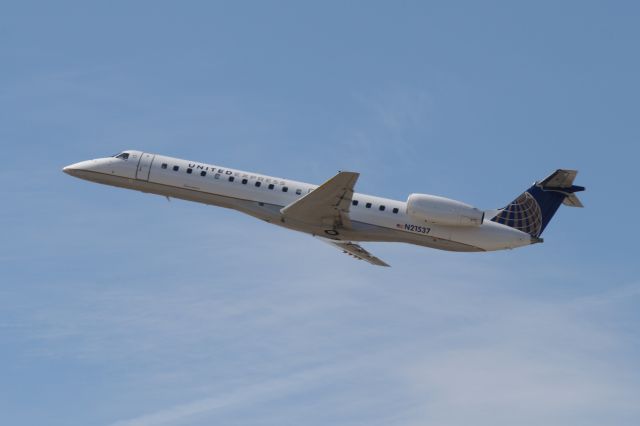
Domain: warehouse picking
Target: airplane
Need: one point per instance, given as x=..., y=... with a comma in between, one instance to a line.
x=334, y=212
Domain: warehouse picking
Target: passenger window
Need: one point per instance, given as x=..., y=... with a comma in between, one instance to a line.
x=176, y=168
x=189, y=171
x=285, y=189
x=258, y=183
x=354, y=202
x=203, y=173
x=298, y=191
x=231, y=178
x=164, y=165
x=381, y=208
x=368, y=205
x=395, y=210
x=271, y=186
x=244, y=181
x=216, y=176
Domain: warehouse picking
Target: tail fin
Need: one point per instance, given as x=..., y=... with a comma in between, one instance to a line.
x=534, y=208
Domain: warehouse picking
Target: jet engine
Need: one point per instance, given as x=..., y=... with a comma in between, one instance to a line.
x=443, y=211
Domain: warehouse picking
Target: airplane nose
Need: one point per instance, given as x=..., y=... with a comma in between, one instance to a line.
x=76, y=168
x=71, y=169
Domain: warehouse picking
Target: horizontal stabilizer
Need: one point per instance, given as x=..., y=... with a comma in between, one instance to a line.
x=572, y=200
x=559, y=179
x=562, y=181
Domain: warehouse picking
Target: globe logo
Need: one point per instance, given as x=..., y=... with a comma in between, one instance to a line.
x=522, y=214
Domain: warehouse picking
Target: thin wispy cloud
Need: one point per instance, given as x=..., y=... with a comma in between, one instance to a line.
x=274, y=388
x=443, y=350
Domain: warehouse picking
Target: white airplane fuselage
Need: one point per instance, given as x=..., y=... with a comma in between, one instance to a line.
x=371, y=218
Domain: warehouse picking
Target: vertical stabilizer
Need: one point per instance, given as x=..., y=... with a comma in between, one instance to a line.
x=532, y=211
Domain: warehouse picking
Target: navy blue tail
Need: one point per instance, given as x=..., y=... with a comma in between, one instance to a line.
x=532, y=211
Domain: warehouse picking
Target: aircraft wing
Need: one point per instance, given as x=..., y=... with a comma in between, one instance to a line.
x=354, y=250
x=327, y=205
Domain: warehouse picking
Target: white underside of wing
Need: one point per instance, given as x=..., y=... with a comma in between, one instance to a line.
x=355, y=250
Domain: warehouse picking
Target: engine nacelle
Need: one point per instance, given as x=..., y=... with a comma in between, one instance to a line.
x=443, y=211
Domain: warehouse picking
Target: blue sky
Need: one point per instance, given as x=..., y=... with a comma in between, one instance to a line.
x=118, y=308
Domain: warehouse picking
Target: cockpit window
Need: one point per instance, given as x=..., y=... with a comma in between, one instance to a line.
x=123, y=156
